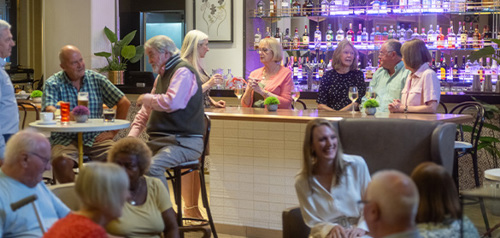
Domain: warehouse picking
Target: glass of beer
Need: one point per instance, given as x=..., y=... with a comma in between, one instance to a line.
x=83, y=99
x=109, y=115
x=65, y=109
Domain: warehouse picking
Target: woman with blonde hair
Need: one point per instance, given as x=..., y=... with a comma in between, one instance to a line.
x=193, y=50
x=272, y=80
x=333, y=93
x=422, y=89
x=330, y=183
x=102, y=189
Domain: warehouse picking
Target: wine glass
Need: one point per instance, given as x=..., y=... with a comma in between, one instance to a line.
x=295, y=94
x=238, y=91
x=353, y=95
x=370, y=94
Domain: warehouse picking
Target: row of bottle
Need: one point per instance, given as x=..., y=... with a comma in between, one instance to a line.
x=454, y=72
x=464, y=39
x=335, y=7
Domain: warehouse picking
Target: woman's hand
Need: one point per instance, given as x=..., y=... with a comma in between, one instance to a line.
x=355, y=232
x=337, y=232
x=215, y=79
x=396, y=106
x=220, y=104
x=253, y=83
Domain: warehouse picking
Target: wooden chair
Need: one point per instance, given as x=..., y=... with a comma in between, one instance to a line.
x=300, y=102
x=27, y=107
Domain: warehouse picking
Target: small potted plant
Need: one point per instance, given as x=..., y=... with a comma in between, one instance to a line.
x=272, y=103
x=36, y=96
x=371, y=106
x=81, y=114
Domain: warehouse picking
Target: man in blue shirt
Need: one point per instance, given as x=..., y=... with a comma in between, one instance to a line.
x=390, y=78
x=27, y=156
x=64, y=86
x=8, y=104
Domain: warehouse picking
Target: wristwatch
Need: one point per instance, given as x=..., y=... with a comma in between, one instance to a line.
x=406, y=109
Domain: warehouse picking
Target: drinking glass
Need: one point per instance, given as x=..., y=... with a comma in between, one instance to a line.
x=238, y=91
x=370, y=94
x=295, y=94
x=83, y=99
x=353, y=95
x=109, y=115
x=65, y=108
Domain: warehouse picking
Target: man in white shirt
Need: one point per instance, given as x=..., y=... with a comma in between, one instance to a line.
x=27, y=156
x=8, y=104
x=390, y=205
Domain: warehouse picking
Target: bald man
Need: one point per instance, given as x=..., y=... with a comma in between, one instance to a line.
x=64, y=86
x=27, y=156
x=390, y=205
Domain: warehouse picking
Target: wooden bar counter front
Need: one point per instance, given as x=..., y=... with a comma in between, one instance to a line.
x=254, y=157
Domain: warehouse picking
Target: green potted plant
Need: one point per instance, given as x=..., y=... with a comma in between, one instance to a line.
x=371, y=106
x=81, y=114
x=121, y=53
x=272, y=103
x=36, y=96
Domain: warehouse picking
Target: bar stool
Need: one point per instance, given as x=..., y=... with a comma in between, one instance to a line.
x=188, y=167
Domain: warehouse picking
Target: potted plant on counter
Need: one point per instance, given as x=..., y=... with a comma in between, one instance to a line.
x=371, y=106
x=81, y=114
x=272, y=103
x=121, y=53
x=36, y=96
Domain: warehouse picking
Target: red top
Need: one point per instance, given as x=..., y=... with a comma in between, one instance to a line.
x=75, y=226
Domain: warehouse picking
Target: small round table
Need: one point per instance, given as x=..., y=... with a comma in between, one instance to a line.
x=92, y=125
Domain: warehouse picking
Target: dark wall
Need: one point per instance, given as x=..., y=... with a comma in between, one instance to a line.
x=130, y=17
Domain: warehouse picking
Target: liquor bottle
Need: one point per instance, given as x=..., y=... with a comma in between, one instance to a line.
x=321, y=69
x=257, y=38
x=260, y=8
x=430, y=37
x=296, y=8
x=494, y=69
x=295, y=69
x=476, y=38
x=310, y=8
x=433, y=64
x=305, y=9
x=272, y=8
x=391, y=33
x=486, y=35
x=383, y=5
x=268, y=33
x=340, y=34
x=345, y=5
x=372, y=36
x=277, y=35
x=458, y=40
x=305, y=38
x=296, y=40
x=339, y=5
x=468, y=69
x=446, y=5
x=385, y=35
x=423, y=36
x=470, y=37
x=455, y=71
x=487, y=67
x=402, y=33
x=317, y=38
x=461, y=72
x=285, y=8
x=350, y=33
x=332, y=8
x=449, y=71
x=403, y=4
x=329, y=37
x=415, y=34
x=442, y=68
x=408, y=33
x=287, y=40
x=463, y=37
x=359, y=35
x=364, y=37
x=377, y=36
x=440, y=39
x=325, y=8
x=451, y=39
x=376, y=5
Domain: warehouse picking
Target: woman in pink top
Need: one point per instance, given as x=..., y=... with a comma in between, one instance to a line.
x=422, y=90
x=272, y=79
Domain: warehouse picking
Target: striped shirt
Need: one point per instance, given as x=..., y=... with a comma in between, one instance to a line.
x=101, y=91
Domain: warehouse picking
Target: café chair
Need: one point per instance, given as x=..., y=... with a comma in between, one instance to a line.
x=443, y=106
x=26, y=107
x=175, y=175
x=293, y=224
x=300, y=102
x=66, y=192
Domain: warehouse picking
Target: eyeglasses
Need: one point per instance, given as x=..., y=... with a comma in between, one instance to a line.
x=382, y=53
x=44, y=160
x=264, y=50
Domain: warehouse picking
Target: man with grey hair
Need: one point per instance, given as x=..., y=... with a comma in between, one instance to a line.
x=27, y=156
x=172, y=113
x=8, y=104
x=390, y=78
x=390, y=205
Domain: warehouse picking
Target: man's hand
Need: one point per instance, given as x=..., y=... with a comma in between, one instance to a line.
x=107, y=135
x=337, y=232
x=355, y=232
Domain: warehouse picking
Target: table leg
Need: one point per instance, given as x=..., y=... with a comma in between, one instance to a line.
x=80, y=150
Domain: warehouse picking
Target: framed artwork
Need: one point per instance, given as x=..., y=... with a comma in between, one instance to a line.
x=215, y=18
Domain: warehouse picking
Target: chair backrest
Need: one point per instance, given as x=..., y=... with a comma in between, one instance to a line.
x=477, y=111
x=206, y=137
x=293, y=224
x=443, y=106
x=66, y=192
x=399, y=144
x=27, y=107
x=300, y=102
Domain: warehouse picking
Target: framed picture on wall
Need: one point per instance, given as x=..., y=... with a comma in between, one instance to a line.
x=215, y=18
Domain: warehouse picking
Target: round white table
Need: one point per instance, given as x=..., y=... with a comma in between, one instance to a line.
x=92, y=125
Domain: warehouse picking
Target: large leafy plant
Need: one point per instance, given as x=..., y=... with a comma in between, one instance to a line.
x=487, y=51
x=121, y=52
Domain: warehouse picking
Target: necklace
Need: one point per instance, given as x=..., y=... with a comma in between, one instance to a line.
x=268, y=73
x=133, y=195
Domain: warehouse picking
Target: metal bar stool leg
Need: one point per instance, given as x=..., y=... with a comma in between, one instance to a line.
x=204, y=197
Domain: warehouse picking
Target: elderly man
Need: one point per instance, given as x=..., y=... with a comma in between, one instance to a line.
x=8, y=105
x=64, y=86
x=174, y=109
x=390, y=205
x=390, y=78
x=27, y=156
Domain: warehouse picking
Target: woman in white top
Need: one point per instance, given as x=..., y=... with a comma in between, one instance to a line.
x=330, y=184
x=422, y=90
